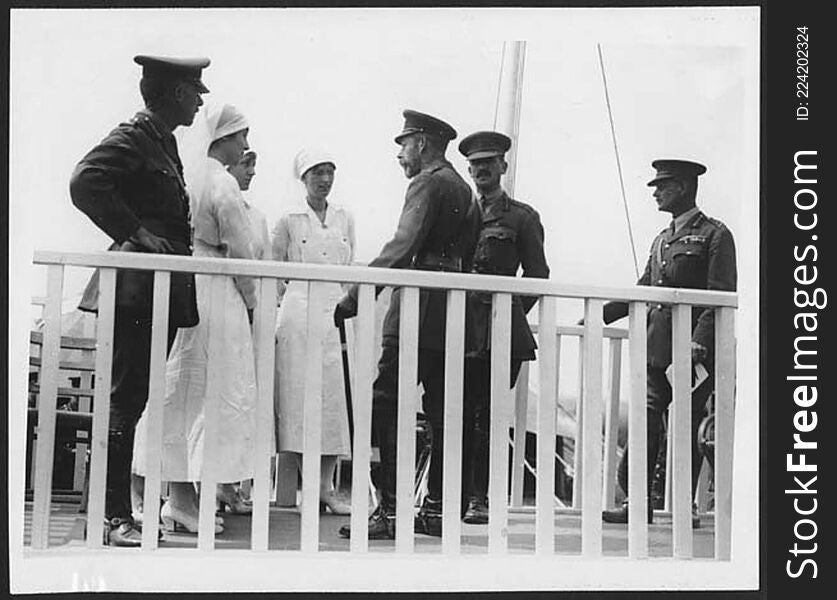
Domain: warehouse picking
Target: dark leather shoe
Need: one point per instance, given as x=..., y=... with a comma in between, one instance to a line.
x=381, y=526
x=620, y=515
x=477, y=512
x=695, y=518
x=429, y=518
x=122, y=533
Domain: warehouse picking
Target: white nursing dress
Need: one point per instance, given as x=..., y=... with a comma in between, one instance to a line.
x=223, y=379
x=299, y=236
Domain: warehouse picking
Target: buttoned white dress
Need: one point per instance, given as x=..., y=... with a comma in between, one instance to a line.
x=211, y=367
x=299, y=236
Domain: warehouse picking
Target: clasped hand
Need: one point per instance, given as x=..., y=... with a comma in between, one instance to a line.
x=342, y=312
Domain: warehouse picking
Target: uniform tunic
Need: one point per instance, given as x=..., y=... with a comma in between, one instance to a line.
x=511, y=238
x=299, y=236
x=435, y=232
x=134, y=178
x=699, y=255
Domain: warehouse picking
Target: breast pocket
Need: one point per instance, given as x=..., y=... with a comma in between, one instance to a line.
x=689, y=262
x=164, y=191
x=497, y=249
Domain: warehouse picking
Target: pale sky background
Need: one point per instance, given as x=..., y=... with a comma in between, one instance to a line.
x=340, y=79
x=683, y=83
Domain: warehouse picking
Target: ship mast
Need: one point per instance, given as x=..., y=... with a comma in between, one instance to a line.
x=507, y=109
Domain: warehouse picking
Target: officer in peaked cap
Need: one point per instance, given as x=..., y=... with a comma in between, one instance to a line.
x=675, y=169
x=183, y=69
x=511, y=237
x=693, y=251
x=417, y=122
x=131, y=187
x=436, y=233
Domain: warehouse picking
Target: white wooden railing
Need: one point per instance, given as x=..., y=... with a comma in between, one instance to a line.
x=593, y=483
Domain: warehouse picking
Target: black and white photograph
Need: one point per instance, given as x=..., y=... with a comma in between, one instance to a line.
x=389, y=299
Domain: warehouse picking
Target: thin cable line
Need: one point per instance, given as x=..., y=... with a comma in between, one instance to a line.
x=618, y=162
x=499, y=85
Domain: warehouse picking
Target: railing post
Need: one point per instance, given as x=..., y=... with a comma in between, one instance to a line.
x=101, y=408
x=407, y=393
x=84, y=406
x=724, y=428
x=498, y=491
x=638, y=433
x=521, y=402
x=547, y=401
x=264, y=327
x=578, y=455
x=154, y=408
x=591, y=493
x=681, y=431
x=46, y=408
x=312, y=422
x=612, y=424
x=452, y=468
x=362, y=407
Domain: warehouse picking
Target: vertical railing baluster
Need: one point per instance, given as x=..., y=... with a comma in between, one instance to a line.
x=154, y=407
x=680, y=419
x=264, y=326
x=498, y=492
x=84, y=406
x=612, y=423
x=50, y=355
x=637, y=433
x=101, y=408
x=725, y=369
x=362, y=408
x=578, y=455
x=521, y=401
x=407, y=405
x=312, y=422
x=591, y=493
x=452, y=468
x=558, y=342
x=547, y=403
x=217, y=320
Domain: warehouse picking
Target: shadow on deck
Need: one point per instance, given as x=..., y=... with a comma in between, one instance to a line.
x=67, y=529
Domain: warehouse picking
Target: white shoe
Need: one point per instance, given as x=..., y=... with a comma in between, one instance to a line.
x=177, y=520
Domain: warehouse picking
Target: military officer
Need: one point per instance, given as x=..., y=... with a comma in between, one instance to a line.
x=435, y=232
x=511, y=238
x=131, y=186
x=694, y=251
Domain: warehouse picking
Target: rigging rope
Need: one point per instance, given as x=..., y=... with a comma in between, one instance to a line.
x=618, y=162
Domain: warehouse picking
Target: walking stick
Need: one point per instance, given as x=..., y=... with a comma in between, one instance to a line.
x=347, y=385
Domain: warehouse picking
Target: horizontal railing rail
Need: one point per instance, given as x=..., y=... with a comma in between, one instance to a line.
x=385, y=277
x=591, y=493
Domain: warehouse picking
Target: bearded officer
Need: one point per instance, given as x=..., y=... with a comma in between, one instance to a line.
x=511, y=239
x=131, y=186
x=694, y=251
x=435, y=232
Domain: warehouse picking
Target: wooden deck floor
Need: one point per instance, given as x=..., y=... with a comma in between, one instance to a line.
x=67, y=530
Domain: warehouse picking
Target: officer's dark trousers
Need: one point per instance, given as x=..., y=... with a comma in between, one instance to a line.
x=659, y=398
x=431, y=365
x=128, y=396
x=476, y=425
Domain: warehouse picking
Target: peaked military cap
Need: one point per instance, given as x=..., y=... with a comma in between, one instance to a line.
x=484, y=144
x=417, y=122
x=675, y=168
x=186, y=69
